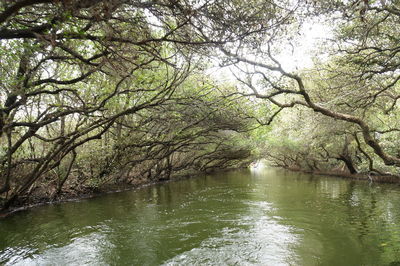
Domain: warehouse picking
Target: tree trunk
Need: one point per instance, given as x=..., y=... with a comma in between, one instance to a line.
x=349, y=163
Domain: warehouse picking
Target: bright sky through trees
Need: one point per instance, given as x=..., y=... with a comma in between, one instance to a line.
x=296, y=55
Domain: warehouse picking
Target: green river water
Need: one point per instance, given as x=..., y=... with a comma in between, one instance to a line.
x=249, y=217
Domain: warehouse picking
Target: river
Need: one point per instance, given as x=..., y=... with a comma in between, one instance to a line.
x=248, y=217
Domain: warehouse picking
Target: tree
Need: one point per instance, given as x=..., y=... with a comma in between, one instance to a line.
x=73, y=70
x=358, y=85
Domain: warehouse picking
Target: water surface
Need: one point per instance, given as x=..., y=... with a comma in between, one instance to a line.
x=258, y=217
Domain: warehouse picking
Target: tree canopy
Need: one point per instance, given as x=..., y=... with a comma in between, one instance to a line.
x=104, y=92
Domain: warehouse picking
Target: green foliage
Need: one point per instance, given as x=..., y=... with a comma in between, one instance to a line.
x=100, y=92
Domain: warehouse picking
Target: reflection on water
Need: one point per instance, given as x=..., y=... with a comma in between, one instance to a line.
x=256, y=237
x=256, y=217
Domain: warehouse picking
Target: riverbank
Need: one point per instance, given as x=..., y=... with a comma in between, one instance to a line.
x=88, y=192
x=392, y=179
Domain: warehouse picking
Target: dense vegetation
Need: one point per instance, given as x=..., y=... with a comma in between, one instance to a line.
x=346, y=107
x=97, y=93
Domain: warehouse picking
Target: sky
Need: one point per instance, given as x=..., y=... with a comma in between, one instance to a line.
x=293, y=58
x=312, y=34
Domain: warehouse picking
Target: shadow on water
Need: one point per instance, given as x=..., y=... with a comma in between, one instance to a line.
x=263, y=216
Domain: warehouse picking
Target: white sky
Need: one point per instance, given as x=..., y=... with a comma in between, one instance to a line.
x=294, y=57
x=312, y=34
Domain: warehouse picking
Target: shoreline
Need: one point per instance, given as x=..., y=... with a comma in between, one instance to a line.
x=83, y=195
x=117, y=188
x=107, y=189
x=388, y=179
x=69, y=197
